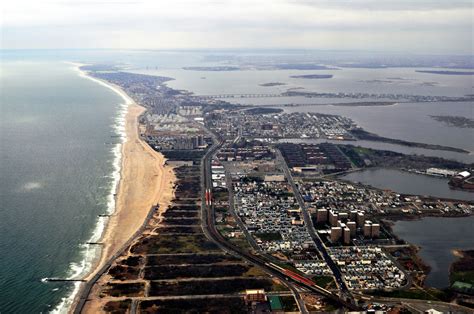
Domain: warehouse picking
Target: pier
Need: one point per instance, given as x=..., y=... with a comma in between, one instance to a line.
x=54, y=279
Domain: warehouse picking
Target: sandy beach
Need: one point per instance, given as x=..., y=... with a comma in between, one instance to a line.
x=145, y=181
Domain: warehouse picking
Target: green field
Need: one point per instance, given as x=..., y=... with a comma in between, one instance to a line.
x=463, y=276
x=430, y=294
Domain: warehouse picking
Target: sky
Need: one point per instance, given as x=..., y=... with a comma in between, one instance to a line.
x=419, y=26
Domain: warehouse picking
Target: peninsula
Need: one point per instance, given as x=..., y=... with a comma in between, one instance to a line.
x=313, y=76
x=444, y=72
x=317, y=242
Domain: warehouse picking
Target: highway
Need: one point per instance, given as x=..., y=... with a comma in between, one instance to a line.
x=312, y=231
x=209, y=229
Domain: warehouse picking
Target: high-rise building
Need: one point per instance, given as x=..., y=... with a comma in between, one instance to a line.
x=194, y=140
x=368, y=229
x=343, y=216
x=336, y=233
x=375, y=232
x=333, y=218
x=353, y=215
x=347, y=235
x=352, y=227
x=322, y=215
x=200, y=140
x=360, y=219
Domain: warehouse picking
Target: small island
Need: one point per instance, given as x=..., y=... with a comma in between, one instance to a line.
x=313, y=76
x=446, y=72
x=455, y=121
x=271, y=84
x=304, y=66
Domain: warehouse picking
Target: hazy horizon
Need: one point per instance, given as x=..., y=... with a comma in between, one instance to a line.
x=249, y=49
x=422, y=27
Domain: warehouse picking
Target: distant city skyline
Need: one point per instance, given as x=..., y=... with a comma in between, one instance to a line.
x=438, y=27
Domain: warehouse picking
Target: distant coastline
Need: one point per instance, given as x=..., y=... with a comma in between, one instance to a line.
x=454, y=121
x=212, y=68
x=366, y=104
x=446, y=72
x=364, y=135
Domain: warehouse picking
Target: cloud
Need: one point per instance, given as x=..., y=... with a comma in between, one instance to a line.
x=330, y=24
x=388, y=5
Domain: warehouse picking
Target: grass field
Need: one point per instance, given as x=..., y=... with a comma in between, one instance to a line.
x=463, y=276
x=430, y=294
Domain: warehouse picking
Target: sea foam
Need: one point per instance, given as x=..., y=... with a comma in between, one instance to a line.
x=91, y=253
x=31, y=186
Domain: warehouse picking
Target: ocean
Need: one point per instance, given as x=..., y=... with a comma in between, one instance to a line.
x=60, y=138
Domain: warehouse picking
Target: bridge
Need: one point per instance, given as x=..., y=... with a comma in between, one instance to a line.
x=219, y=96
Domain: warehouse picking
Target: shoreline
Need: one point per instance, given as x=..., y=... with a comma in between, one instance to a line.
x=455, y=250
x=459, y=253
x=141, y=180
